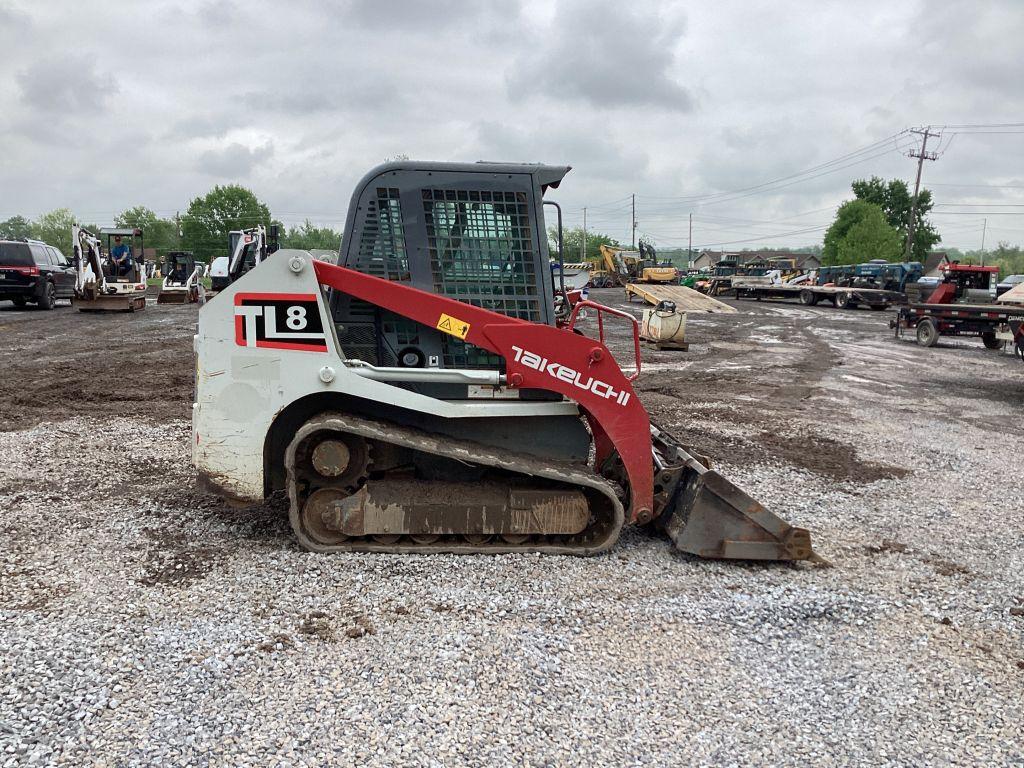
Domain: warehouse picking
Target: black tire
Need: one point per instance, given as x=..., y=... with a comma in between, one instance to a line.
x=807, y=297
x=990, y=341
x=20, y=301
x=49, y=297
x=927, y=333
x=842, y=300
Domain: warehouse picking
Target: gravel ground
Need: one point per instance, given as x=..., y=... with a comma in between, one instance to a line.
x=143, y=624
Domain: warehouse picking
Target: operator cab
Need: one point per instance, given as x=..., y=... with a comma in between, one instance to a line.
x=470, y=231
x=250, y=254
x=128, y=241
x=178, y=266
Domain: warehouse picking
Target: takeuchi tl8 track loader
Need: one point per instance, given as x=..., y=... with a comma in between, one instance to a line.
x=421, y=396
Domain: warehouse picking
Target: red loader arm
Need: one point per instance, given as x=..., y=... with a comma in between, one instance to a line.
x=536, y=356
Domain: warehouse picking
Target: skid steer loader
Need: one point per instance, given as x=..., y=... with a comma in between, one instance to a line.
x=421, y=396
x=182, y=283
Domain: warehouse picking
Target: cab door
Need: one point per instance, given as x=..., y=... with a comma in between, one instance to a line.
x=47, y=269
x=64, y=276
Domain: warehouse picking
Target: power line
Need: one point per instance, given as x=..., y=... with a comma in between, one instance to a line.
x=869, y=148
x=755, y=239
x=984, y=125
x=778, y=187
x=979, y=186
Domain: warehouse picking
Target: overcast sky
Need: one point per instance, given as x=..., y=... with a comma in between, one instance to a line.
x=108, y=105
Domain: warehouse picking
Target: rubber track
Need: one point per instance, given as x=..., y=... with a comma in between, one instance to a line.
x=594, y=540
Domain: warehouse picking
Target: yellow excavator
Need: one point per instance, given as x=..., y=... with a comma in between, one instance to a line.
x=622, y=266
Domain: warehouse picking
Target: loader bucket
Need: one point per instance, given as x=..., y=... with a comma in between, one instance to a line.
x=173, y=297
x=710, y=517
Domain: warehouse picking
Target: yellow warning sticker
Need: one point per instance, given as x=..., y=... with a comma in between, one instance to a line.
x=453, y=326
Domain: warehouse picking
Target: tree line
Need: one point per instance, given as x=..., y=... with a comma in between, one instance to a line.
x=873, y=225
x=203, y=228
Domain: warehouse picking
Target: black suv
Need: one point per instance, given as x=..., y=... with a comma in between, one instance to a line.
x=31, y=270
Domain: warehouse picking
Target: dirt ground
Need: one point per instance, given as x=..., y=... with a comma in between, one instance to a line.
x=63, y=363
x=903, y=462
x=775, y=383
x=756, y=372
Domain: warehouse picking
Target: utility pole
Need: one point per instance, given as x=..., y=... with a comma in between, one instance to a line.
x=984, y=226
x=583, y=248
x=634, y=222
x=689, y=245
x=921, y=157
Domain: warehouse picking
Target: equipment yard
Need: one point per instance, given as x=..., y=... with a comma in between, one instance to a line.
x=146, y=623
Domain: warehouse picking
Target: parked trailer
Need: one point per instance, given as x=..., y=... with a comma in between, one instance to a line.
x=844, y=298
x=930, y=321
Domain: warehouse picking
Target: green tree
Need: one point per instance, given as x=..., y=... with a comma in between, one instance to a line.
x=54, y=228
x=870, y=238
x=308, y=237
x=1009, y=258
x=573, y=244
x=15, y=228
x=161, y=234
x=895, y=200
x=860, y=232
x=210, y=218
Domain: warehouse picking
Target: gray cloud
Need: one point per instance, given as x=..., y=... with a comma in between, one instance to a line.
x=610, y=54
x=298, y=100
x=429, y=16
x=316, y=97
x=201, y=127
x=70, y=83
x=235, y=161
x=13, y=21
x=219, y=13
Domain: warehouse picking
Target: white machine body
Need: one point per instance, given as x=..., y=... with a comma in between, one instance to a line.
x=268, y=341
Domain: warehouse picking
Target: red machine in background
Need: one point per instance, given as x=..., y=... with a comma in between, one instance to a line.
x=965, y=283
x=963, y=304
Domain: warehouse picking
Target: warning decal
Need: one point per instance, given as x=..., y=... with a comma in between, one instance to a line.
x=453, y=326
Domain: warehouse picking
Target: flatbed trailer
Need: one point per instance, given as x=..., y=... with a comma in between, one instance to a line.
x=990, y=322
x=842, y=297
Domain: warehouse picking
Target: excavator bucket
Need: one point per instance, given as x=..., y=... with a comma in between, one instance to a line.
x=708, y=516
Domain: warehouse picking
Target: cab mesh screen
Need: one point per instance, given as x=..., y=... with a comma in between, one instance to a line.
x=481, y=252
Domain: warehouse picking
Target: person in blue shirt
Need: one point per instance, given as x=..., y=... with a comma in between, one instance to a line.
x=120, y=258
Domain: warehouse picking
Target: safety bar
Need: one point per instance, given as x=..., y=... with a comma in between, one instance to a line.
x=601, y=308
x=430, y=375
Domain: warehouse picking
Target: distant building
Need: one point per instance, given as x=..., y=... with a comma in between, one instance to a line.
x=804, y=261
x=708, y=259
